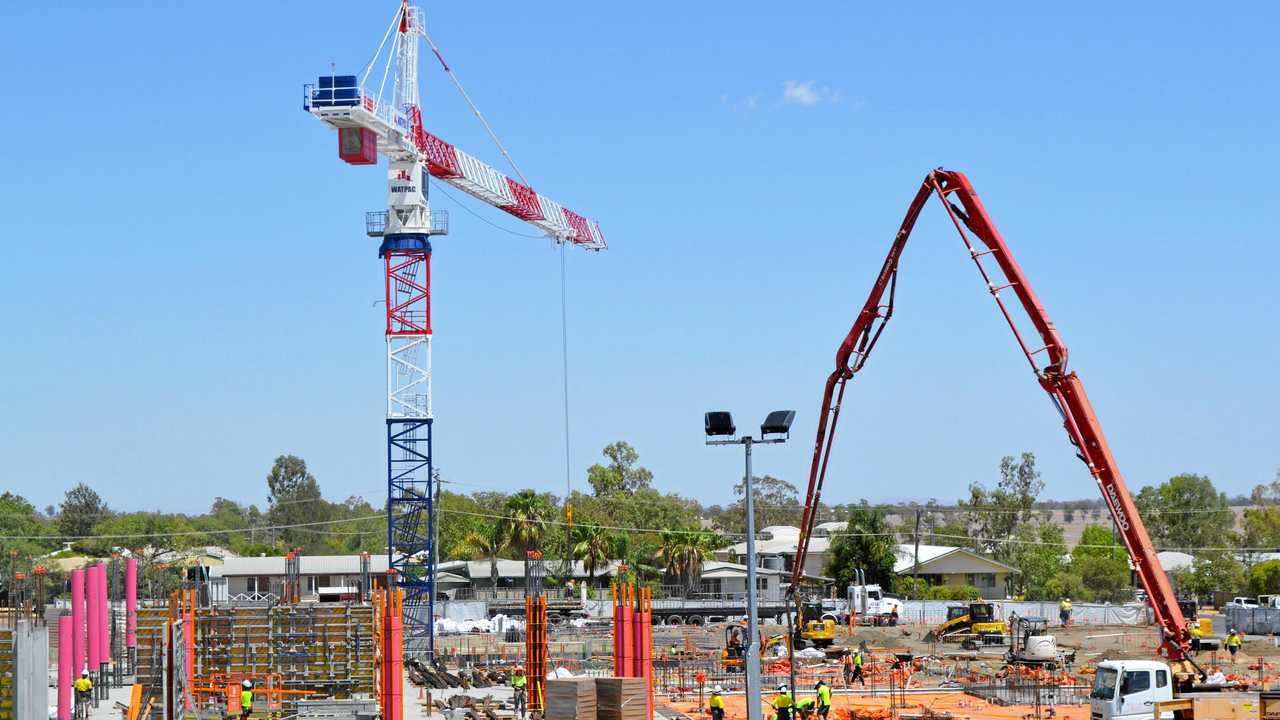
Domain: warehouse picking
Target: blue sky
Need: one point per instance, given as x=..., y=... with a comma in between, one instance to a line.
x=186, y=290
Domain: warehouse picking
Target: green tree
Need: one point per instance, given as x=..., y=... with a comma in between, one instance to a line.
x=295, y=499
x=81, y=509
x=25, y=530
x=591, y=546
x=1211, y=570
x=952, y=592
x=1102, y=564
x=1260, y=526
x=1264, y=578
x=1039, y=555
x=154, y=536
x=683, y=554
x=527, y=514
x=622, y=475
x=777, y=502
x=994, y=515
x=1187, y=513
x=866, y=543
x=1066, y=584
x=486, y=541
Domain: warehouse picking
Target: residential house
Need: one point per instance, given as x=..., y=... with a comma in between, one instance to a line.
x=953, y=566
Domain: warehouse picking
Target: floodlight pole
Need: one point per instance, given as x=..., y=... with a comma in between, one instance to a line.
x=754, y=692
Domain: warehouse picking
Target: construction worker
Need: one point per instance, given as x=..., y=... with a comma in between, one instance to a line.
x=1064, y=611
x=1194, y=628
x=519, y=685
x=1233, y=644
x=246, y=699
x=84, y=694
x=857, y=669
x=782, y=704
x=893, y=616
x=824, y=698
x=716, y=703
x=804, y=708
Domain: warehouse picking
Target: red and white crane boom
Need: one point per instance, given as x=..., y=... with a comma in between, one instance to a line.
x=1048, y=362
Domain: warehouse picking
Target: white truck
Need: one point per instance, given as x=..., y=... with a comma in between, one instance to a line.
x=871, y=605
x=1130, y=689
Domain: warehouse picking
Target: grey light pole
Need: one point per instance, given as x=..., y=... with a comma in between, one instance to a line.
x=720, y=424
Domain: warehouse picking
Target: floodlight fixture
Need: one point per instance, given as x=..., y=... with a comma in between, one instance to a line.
x=778, y=422
x=719, y=423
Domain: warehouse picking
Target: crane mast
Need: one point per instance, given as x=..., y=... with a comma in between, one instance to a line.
x=1048, y=361
x=368, y=127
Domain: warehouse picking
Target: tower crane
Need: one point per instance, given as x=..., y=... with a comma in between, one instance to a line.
x=1049, y=364
x=372, y=120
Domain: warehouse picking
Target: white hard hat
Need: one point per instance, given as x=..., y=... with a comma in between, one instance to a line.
x=782, y=688
x=247, y=683
x=717, y=689
x=84, y=673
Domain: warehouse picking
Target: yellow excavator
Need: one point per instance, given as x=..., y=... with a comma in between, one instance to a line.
x=734, y=654
x=965, y=622
x=814, y=629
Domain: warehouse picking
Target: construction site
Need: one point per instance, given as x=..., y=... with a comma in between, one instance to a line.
x=720, y=618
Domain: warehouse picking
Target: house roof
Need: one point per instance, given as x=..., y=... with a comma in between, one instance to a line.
x=712, y=569
x=783, y=540
x=933, y=553
x=308, y=565
x=1172, y=560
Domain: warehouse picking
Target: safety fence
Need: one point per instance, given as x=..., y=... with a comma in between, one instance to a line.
x=933, y=612
x=1254, y=621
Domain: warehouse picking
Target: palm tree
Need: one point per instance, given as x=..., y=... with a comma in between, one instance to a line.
x=697, y=548
x=671, y=553
x=683, y=554
x=488, y=540
x=526, y=521
x=592, y=548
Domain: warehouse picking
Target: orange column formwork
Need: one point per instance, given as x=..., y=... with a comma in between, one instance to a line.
x=535, y=615
x=391, y=646
x=633, y=636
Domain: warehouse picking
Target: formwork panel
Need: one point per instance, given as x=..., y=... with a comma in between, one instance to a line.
x=327, y=648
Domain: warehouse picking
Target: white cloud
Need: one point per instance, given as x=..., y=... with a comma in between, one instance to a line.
x=807, y=93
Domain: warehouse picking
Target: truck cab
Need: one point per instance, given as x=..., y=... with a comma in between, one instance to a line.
x=1129, y=690
x=872, y=601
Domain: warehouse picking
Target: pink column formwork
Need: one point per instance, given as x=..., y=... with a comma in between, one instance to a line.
x=104, y=608
x=66, y=666
x=77, y=634
x=397, y=668
x=93, y=617
x=131, y=602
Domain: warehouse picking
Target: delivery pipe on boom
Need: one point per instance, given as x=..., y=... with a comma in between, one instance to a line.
x=1048, y=362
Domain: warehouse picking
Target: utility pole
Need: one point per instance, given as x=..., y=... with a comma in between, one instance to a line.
x=915, y=569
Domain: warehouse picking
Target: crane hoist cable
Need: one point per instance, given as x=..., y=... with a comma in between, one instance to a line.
x=564, y=312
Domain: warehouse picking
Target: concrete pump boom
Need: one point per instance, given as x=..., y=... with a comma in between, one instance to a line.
x=1048, y=362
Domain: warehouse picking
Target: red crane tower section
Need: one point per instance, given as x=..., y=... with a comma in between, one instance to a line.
x=1048, y=361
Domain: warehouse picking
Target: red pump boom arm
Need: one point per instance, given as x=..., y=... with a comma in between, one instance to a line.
x=1048, y=362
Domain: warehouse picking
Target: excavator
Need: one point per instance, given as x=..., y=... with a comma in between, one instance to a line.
x=1047, y=356
x=733, y=655
x=813, y=629
x=976, y=621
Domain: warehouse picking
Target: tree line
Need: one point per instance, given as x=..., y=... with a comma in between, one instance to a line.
x=665, y=539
